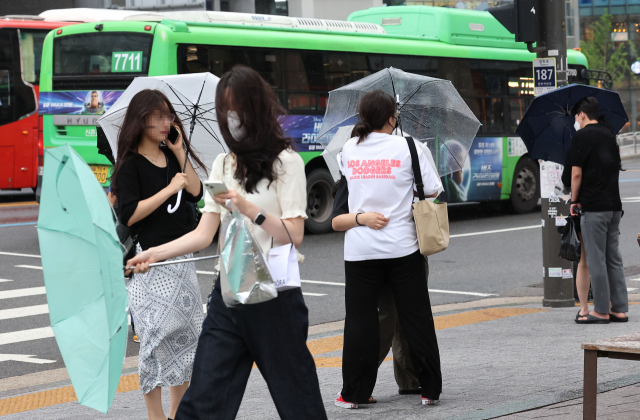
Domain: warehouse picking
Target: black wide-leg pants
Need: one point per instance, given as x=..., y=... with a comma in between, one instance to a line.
x=364, y=279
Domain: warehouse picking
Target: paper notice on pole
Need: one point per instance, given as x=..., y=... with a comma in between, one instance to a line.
x=561, y=220
x=543, y=222
x=567, y=273
x=555, y=271
x=550, y=177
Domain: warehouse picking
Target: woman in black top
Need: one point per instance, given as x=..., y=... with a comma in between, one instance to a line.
x=165, y=302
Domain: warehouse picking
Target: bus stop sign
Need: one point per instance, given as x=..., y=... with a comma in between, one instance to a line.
x=544, y=75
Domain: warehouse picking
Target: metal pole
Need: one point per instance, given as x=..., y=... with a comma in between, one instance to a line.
x=635, y=148
x=558, y=272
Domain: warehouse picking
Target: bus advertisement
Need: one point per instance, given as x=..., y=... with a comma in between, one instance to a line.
x=21, y=144
x=304, y=59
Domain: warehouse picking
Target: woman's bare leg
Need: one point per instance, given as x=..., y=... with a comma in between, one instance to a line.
x=583, y=281
x=176, y=396
x=154, y=404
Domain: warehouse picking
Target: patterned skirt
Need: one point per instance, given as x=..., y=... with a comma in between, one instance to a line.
x=166, y=306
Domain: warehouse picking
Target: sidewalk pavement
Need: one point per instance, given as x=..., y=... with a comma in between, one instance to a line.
x=499, y=357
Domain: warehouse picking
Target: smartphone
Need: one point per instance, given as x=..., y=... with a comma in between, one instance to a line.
x=173, y=134
x=215, y=187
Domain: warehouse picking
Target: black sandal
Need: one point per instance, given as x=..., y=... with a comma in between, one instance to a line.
x=591, y=319
x=370, y=401
x=614, y=318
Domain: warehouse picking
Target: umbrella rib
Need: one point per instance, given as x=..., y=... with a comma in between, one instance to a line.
x=437, y=137
x=414, y=92
x=448, y=109
x=337, y=124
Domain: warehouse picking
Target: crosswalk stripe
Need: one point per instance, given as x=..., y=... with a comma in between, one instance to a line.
x=31, y=291
x=322, y=282
x=25, y=335
x=4, y=280
x=24, y=311
x=34, y=267
x=13, y=254
x=453, y=292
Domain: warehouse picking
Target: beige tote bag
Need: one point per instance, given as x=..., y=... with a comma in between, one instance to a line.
x=432, y=220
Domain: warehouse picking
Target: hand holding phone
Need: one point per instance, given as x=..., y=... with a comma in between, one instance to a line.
x=216, y=187
x=173, y=134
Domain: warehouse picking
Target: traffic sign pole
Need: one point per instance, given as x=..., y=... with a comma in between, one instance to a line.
x=558, y=276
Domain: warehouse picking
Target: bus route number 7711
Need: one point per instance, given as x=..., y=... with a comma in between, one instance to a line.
x=126, y=61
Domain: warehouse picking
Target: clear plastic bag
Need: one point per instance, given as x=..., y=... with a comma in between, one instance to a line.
x=244, y=274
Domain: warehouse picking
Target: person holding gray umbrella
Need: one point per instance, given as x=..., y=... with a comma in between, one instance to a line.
x=381, y=246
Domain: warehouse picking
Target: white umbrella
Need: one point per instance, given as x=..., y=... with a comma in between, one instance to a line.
x=192, y=96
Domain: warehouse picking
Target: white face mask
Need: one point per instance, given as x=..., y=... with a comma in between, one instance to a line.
x=576, y=125
x=233, y=121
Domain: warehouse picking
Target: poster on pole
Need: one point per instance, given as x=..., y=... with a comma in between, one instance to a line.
x=544, y=75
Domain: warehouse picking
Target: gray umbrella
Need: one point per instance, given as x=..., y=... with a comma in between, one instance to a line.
x=430, y=109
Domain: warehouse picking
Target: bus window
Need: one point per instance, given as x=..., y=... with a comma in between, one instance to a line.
x=517, y=108
x=113, y=59
x=18, y=99
x=490, y=112
x=31, y=53
x=219, y=60
x=320, y=71
x=425, y=66
x=6, y=65
x=358, y=66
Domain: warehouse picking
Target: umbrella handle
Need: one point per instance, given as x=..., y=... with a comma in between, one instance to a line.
x=173, y=209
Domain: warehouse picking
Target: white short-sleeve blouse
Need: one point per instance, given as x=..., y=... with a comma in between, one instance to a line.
x=285, y=198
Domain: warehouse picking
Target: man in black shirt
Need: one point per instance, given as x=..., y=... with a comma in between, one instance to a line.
x=595, y=158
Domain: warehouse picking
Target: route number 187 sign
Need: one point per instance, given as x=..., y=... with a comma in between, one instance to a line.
x=544, y=75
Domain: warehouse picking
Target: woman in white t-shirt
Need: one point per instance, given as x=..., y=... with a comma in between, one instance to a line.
x=381, y=246
x=266, y=181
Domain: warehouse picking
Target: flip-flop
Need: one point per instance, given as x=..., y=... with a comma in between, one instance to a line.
x=578, y=315
x=614, y=318
x=592, y=320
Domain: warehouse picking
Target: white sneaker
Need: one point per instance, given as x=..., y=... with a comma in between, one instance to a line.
x=427, y=401
x=344, y=404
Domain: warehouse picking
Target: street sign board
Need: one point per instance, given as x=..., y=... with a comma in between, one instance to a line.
x=544, y=75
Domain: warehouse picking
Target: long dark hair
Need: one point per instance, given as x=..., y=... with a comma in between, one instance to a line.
x=258, y=108
x=141, y=106
x=375, y=109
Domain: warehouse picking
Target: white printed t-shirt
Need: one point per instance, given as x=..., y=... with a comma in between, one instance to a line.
x=380, y=179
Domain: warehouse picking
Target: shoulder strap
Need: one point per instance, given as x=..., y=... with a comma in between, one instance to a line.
x=415, y=166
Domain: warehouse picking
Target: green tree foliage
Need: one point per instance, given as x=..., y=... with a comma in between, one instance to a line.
x=605, y=54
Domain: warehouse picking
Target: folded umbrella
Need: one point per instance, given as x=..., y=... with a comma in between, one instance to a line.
x=547, y=125
x=82, y=266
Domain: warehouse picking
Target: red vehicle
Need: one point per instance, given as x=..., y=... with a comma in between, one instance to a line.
x=21, y=148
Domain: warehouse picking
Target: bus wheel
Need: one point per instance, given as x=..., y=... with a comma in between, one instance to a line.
x=319, y=201
x=525, y=189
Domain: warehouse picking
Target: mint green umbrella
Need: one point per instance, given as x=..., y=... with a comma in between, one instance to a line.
x=82, y=263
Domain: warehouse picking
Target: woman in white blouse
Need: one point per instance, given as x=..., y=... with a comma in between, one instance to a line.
x=381, y=247
x=267, y=183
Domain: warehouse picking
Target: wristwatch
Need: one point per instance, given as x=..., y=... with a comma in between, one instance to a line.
x=260, y=218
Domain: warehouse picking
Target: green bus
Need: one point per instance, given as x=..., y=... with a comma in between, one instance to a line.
x=303, y=59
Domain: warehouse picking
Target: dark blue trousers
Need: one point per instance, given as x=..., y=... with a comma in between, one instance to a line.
x=272, y=334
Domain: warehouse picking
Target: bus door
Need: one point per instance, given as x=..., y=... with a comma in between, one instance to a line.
x=18, y=120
